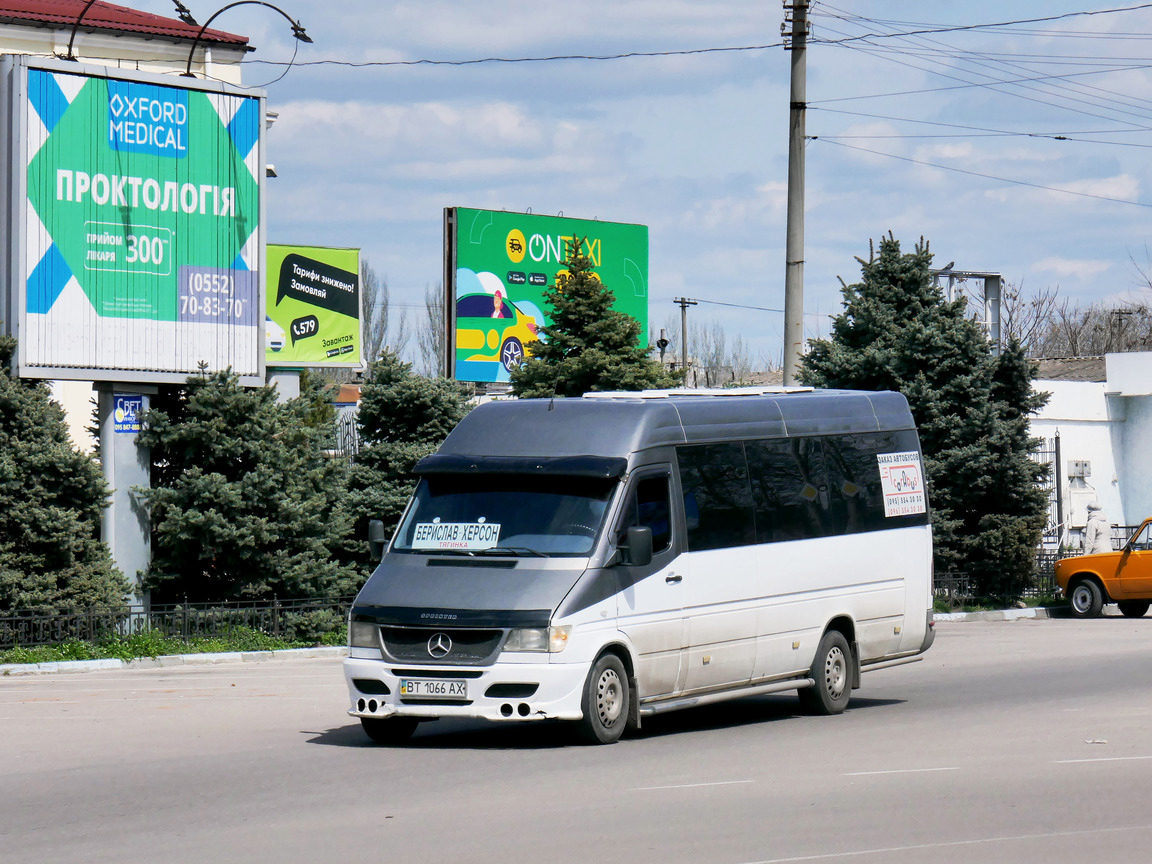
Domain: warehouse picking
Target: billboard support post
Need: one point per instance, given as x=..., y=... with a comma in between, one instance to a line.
x=126, y=526
x=286, y=382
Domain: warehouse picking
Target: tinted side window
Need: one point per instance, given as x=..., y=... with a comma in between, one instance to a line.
x=856, y=499
x=823, y=486
x=649, y=505
x=856, y=495
x=717, y=497
x=789, y=489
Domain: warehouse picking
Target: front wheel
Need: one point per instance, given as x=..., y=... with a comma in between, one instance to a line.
x=832, y=672
x=605, y=702
x=389, y=730
x=1085, y=599
x=1133, y=608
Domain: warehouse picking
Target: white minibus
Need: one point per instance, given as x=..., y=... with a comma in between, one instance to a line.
x=606, y=558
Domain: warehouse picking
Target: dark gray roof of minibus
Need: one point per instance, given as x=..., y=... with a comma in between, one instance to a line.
x=621, y=426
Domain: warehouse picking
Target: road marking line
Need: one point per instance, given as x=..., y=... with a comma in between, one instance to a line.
x=1100, y=759
x=946, y=845
x=691, y=785
x=899, y=771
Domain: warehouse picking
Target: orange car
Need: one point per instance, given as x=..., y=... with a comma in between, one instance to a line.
x=1123, y=578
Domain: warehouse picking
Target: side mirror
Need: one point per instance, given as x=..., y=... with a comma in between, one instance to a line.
x=638, y=551
x=377, y=539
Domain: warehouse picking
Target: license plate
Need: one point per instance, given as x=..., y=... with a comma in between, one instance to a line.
x=424, y=688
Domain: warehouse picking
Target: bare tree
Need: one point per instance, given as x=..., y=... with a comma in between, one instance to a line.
x=1023, y=316
x=432, y=337
x=1091, y=331
x=373, y=310
x=710, y=352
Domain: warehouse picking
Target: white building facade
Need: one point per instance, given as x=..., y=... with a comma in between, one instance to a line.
x=1100, y=410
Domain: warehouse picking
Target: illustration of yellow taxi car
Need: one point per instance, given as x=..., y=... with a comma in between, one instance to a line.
x=490, y=328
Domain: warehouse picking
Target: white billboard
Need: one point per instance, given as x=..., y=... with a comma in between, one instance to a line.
x=133, y=227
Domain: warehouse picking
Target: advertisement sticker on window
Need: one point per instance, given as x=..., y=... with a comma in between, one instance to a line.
x=902, y=479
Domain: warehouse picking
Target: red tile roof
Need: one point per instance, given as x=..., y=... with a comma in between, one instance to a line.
x=108, y=17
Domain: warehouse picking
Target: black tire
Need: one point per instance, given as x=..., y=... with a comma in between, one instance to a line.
x=1085, y=599
x=605, y=702
x=832, y=672
x=511, y=353
x=389, y=730
x=1133, y=608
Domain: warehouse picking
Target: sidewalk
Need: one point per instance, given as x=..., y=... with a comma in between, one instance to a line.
x=9, y=669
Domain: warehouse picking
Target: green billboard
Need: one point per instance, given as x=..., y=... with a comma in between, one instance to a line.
x=312, y=306
x=498, y=266
x=141, y=236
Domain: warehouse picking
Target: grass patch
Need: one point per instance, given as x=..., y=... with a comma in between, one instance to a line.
x=152, y=643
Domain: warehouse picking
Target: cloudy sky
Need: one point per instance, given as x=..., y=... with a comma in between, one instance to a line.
x=1018, y=148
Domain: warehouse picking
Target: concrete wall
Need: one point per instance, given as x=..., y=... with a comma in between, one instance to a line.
x=1080, y=412
x=1109, y=424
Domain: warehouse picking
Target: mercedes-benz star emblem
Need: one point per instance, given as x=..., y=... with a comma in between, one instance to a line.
x=440, y=645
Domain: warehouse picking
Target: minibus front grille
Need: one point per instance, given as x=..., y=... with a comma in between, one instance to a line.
x=446, y=646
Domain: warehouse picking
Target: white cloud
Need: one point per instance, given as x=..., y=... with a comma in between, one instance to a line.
x=1065, y=267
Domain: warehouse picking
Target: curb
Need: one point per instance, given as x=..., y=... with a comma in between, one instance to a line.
x=1001, y=614
x=67, y=666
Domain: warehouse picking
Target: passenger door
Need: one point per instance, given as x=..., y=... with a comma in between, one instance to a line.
x=1135, y=570
x=724, y=593
x=650, y=610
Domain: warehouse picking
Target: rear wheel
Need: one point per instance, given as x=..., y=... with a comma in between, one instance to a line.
x=605, y=702
x=832, y=672
x=1085, y=599
x=1133, y=608
x=389, y=730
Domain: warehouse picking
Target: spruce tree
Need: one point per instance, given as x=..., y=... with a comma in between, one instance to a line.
x=51, y=501
x=402, y=417
x=589, y=345
x=897, y=332
x=245, y=503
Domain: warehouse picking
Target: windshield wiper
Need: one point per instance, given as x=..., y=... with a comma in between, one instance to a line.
x=508, y=550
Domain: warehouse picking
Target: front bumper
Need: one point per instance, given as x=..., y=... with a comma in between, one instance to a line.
x=502, y=692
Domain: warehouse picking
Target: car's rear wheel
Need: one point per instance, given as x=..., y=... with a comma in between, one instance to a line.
x=512, y=353
x=832, y=672
x=1085, y=599
x=1133, y=608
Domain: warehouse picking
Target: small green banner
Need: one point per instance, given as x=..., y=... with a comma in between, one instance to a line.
x=313, y=306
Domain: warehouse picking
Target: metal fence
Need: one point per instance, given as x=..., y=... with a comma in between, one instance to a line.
x=304, y=620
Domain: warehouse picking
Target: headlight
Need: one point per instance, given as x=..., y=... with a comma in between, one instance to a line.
x=363, y=634
x=552, y=640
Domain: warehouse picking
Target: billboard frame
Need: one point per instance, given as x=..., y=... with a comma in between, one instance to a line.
x=14, y=227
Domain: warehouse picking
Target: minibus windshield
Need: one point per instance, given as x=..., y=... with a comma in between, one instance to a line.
x=512, y=514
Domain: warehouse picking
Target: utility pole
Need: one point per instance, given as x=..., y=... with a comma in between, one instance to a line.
x=684, y=303
x=796, y=41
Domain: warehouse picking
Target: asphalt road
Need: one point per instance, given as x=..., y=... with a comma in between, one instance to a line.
x=1011, y=742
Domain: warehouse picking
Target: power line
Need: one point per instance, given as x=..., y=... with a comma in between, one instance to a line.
x=990, y=176
x=963, y=27
x=551, y=58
